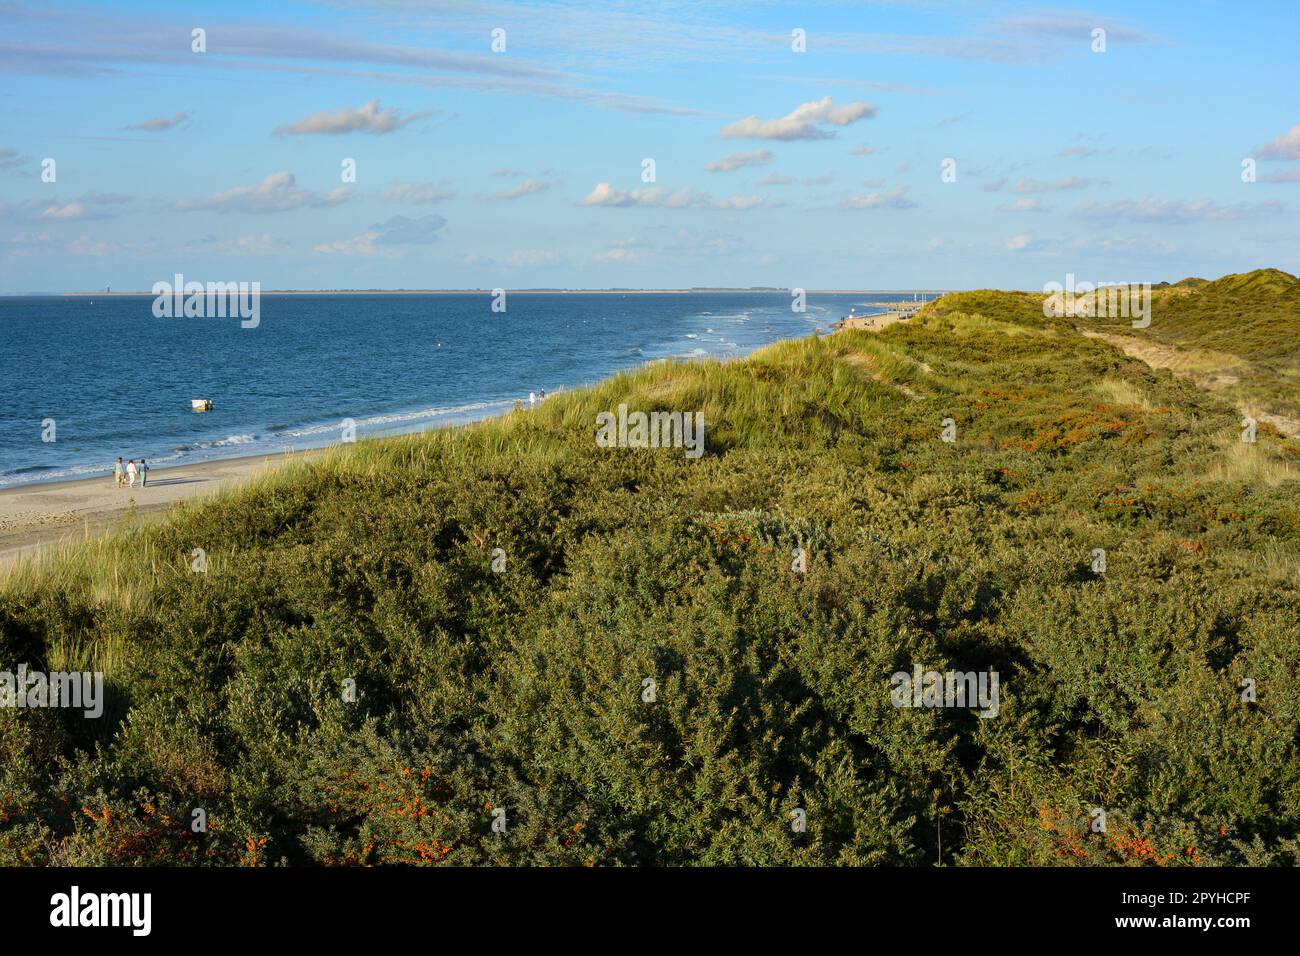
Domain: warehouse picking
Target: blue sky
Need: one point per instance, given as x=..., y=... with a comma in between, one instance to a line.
x=522, y=168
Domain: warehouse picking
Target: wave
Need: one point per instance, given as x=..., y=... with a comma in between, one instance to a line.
x=220, y=443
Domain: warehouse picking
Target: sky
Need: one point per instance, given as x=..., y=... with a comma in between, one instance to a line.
x=440, y=144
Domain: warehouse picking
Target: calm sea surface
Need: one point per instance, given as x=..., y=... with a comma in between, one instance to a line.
x=118, y=381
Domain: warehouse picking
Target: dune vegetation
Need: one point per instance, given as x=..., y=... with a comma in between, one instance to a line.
x=1236, y=335
x=564, y=654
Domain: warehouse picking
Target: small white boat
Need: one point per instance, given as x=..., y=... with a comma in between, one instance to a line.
x=201, y=404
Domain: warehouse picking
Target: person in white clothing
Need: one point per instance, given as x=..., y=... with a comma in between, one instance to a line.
x=131, y=472
x=532, y=399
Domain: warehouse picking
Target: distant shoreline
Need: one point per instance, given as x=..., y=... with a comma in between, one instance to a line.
x=107, y=295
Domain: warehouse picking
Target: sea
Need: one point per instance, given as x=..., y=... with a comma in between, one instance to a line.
x=86, y=379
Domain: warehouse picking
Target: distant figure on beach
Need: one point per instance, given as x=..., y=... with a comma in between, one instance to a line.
x=118, y=474
x=144, y=473
x=532, y=399
x=543, y=395
x=131, y=472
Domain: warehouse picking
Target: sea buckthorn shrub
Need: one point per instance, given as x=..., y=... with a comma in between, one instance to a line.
x=652, y=678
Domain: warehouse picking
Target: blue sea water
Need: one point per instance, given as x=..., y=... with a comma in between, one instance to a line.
x=116, y=380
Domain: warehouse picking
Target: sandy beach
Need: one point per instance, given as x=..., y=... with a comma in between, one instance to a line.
x=35, y=516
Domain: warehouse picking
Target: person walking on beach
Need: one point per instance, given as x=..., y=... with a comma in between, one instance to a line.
x=118, y=473
x=144, y=473
x=532, y=399
x=131, y=472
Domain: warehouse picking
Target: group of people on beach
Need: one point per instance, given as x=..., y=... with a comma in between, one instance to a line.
x=125, y=475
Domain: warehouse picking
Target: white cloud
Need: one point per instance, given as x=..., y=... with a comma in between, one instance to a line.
x=278, y=192
x=368, y=118
x=1024, y=185
x=527, y=187
x=1150, y=209
x=85, y=246
x=1020, y=243
x=159, y=124
x=241, y=245
x=396, y=231
x=803, y=122
x=1286, y=146
x=86, y=206
x=657, y=197
x=617, y=254
x=893, y=198
x=417, y=193
x=1070, y=25
x=861, y=150
x=1022, y=205
x=533, y=257
x=757, y=157
x=67, y=213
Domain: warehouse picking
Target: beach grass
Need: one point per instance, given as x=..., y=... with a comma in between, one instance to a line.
x=393, y=639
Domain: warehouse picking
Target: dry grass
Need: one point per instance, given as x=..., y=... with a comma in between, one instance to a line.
x=1115, y=391
x=1251, y=464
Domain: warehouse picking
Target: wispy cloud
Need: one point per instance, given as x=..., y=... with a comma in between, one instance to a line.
x=160, y=124
x=526, y=188
x=734, y=161
x=1022, y=205
x=803, y=122
x=1023, y=242
x=1150, y=209
x=533, y=257
x=1286, y=146
x=256, y=244
x=1023, y=185
x=1071, y=152
x=417, y=193
x=119, y=44
x=367, y=118
x=661, y=198
x=278, y=192
x=1074, y=25
x=893, y=198
x=86, y=206
x=397, y=231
